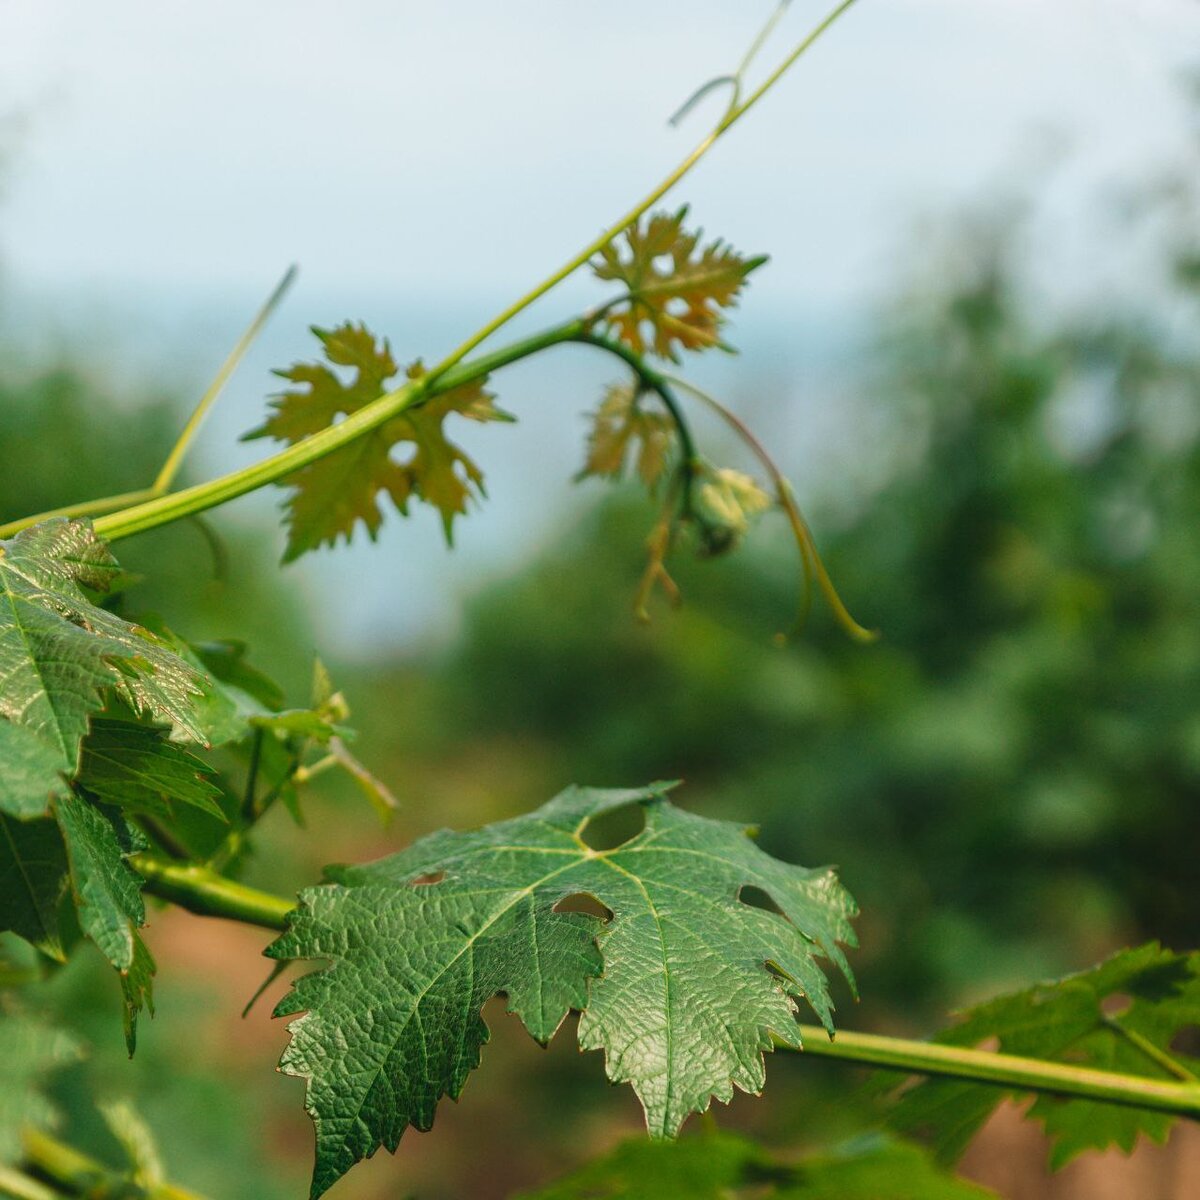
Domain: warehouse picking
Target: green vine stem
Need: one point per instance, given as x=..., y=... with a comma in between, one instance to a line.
x=18, y=1186
x=203, y=496
x=451, y=371
x=1005, y=1070
x=736, y=110
x=201, y=890
x=174, y=460
x=76, y=1174
x=163, y=510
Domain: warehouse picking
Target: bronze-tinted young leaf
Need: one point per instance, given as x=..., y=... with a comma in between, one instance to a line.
x=627, y=427
x=409, y=456
x=58, y=654
x=676, y=288
x=682, y=989
x=1072, y=1021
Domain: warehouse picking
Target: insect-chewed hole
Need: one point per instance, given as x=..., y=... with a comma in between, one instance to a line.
x=581, y=902
x=1186, y=1041
x=427, y=879
x=1116, y=1004
x=614, y=828
x=755, y=897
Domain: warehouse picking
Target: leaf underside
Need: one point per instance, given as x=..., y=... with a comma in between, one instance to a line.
x=683, y=988
x=627, y=428
x=1097, y=1018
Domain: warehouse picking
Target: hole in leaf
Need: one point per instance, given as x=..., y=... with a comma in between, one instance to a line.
x=581, y=902
x=614, y=828
x=1116, y=1004
x=664, y=264
x=755, y=897
x=1186, y=1041
x=426, y=880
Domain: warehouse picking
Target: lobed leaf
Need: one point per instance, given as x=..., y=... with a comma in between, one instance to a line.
x=59, y=652
x=135, y=768
x=676, y=289
x=683, y=988
x=624, y=429
x=332, y=495
x=1120, y=1016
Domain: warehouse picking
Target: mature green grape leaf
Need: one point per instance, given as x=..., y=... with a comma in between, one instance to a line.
x=676, y=288
x=59, y=652
x=1120, y=1016
x=108, y=894
x=878, y=1170
x=33, y=867
x=723, y=1166
x=29, y=1052
x=32, y=771
x=683, y=988
x=136, y=768
x=332, y=495
x=627, y=427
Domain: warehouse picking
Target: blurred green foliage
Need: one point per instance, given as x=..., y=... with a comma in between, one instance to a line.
x=1007, y=780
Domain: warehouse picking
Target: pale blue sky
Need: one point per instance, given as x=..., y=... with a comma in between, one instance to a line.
x=441, y=147
x=425, y=162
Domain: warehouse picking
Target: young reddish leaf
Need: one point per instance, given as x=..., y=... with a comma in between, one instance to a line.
x=624, y=429
x=676, y=287
x=332, y=495
x=59, y=653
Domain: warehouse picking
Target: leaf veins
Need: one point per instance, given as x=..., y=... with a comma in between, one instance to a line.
x=676, y=288
x=682, y=988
